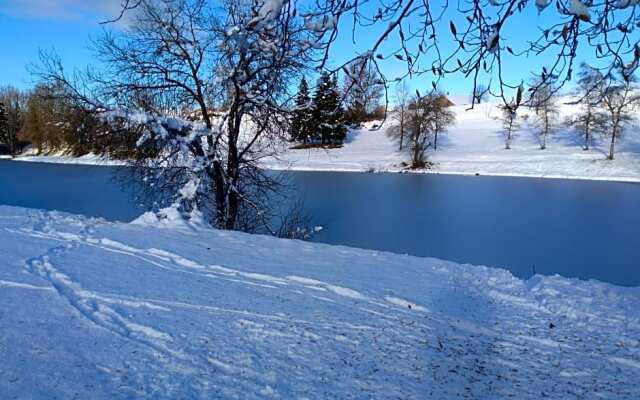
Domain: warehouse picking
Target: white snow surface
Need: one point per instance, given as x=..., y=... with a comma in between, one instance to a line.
x=100, y=310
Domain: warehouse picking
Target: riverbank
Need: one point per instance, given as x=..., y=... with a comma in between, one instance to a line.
x=166, y=310
x=474, y=146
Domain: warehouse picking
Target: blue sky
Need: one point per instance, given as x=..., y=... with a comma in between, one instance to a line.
x=66, y=26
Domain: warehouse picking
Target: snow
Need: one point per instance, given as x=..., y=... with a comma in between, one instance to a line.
x=578, y=8
x=475, y=146
x=61, y=157
x=100, y=310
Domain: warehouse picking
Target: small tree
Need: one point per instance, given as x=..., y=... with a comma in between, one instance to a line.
x=302, y=126
x=328, y=112
x=543, y=101
x=479, y=94
x=510, y=123
x=400, y=112
x=419, y=125
x=618, y=100
x=591, y=118
x=440, y=115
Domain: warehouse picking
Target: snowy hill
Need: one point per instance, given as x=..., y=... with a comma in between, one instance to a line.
x=475, y=145
x=91, y=309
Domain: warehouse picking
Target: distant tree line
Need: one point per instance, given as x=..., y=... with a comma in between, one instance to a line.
x=49, y=121
x=605, y=107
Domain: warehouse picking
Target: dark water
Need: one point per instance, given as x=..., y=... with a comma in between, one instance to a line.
x=584, y=229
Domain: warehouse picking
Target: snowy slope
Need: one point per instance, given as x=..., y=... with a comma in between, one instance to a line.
x=91, y=309
x=475, y=145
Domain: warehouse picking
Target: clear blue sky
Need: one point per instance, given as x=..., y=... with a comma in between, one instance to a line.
x=66, y=25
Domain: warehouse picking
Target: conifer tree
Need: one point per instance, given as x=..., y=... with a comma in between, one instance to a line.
x=302, y=123
x=328, y=111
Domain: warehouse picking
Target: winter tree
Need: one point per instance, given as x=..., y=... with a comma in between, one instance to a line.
x=328, y=112
x=479, y=94
x=543, y=100
x=591, y=118
x=230, y=65
x=363, y=89
x=440, y=114
x=418, y=131
x=509, y=118
x=471, y=38
x=400, y=111
x=302, y=122
x=618, y=99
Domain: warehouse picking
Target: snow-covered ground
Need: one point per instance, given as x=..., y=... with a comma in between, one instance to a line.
x=91, y=309
x=475, y=145
x=61, y=157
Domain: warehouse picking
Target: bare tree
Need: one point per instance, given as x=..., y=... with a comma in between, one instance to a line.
x=419, y=131
x=543, y=100
x=400, y=111
x=228, y=64
x=618, y=99
x=363, y=88
x=510, y=123
x=440, y=114
x=479, y=94
x=590, y=119
x=469, y=37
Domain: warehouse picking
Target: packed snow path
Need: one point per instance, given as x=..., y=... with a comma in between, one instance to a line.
x=91, y=309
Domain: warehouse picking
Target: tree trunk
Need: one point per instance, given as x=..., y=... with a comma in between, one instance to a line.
x=613, y=142
x=219, y=190
x=586, y=139
x=233, y=170
x=401, y=129
x=435, y=141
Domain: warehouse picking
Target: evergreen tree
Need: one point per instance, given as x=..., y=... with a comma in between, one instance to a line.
x=302, y=124
x=328, y=111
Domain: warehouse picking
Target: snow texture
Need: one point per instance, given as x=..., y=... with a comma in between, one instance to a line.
x=91, y=309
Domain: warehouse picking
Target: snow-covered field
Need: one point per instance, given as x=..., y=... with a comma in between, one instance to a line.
x=475, y=145
x=92, y=309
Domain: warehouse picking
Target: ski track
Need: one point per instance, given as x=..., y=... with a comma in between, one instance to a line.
x=441, y=355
